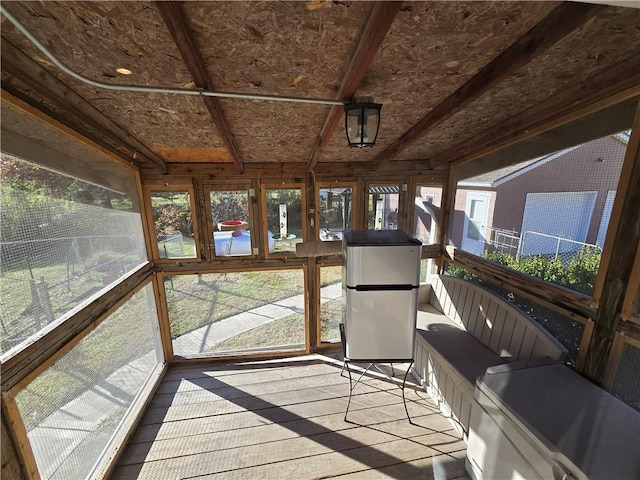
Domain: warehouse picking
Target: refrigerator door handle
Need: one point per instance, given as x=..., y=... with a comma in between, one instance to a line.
x=373, y=288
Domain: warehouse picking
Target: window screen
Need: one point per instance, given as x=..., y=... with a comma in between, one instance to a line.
x=72, y=409
x=332, y=302
x=545, y=215
x=284, y=212
x=173, y=224
x=236, y=312
x=62, y=240
x=231, y=225
x=383, y=207
x=626, y=385
x=426, y=213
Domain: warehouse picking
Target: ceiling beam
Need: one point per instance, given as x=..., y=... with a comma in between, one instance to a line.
x=613, y=85
x=563, y=20
x=45, y=84
x=175, y=19
x=380, y=20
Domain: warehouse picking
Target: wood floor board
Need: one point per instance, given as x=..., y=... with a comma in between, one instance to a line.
x=217, y=407
x=244, y=377
x=285, y=419
x=333, y=463
x=268, y=414
x=435, y=467
x=175, y=447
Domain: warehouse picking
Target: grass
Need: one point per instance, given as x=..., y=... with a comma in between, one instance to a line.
x=21, y=317
x=282, y=332
x=118, y=340
x=172, y=249
x=196, y=301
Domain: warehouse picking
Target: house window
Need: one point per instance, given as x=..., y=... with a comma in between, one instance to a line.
x=546, y=215
x=283, y=209
x=172, y=214
x=383, y=207
x=231, y=222
x=239, y=312
x=335, y=210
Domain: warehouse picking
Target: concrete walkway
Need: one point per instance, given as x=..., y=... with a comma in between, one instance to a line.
x=203, y=339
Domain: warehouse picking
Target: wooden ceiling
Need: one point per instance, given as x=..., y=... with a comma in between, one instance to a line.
x=452, y=76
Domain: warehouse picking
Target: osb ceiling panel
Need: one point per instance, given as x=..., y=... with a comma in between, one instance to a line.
x=606, y=40
x=431, y=49
x=281, y=48
x=95, y=38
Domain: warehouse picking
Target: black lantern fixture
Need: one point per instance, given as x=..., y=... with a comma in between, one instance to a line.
x=362, y=122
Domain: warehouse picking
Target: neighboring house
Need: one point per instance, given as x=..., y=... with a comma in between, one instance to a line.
x=568, y=194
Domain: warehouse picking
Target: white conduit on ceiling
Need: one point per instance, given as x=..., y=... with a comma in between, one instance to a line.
x=162, y=90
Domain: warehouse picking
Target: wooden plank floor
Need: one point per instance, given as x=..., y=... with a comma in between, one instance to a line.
x=283, y=419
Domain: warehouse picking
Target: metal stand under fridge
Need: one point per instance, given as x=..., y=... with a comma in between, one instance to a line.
x=381, y=280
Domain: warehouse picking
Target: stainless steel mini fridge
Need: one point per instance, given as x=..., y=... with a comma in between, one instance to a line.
x=381, y=279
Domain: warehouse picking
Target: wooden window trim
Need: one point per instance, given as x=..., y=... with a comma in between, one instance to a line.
x=148, y=190
x=209, y=228
x=161, y=276
x=402, y=200
x=632, y=295
x=263, y=209
x=354, y=202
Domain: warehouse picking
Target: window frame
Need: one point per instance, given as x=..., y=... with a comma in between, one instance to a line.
x=403, y=188
x=263, y=210
x=354, y=202
x=155, y=255
x=209, y=227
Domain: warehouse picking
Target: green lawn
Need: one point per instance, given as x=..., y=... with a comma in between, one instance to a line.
x=196, y=301
x=282, y=332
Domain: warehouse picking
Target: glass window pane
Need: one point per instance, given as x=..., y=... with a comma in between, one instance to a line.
x=72, y=409
x=62, y=240
x=236, y=312
x=335, y=212
x=230, y=216
x=331, y=303
x=173, y=224
x=546, y=216
x=426, y=216
x=284, y=219
x=383, y=207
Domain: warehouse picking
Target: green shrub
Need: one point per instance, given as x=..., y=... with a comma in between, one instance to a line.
x=579, y=274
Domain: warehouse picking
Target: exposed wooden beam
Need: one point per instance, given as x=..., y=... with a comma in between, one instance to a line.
x=42, y=82
x=174, y=17
x=563, y=20
x=615, y=84
x=617, y=258
x=380, y=20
